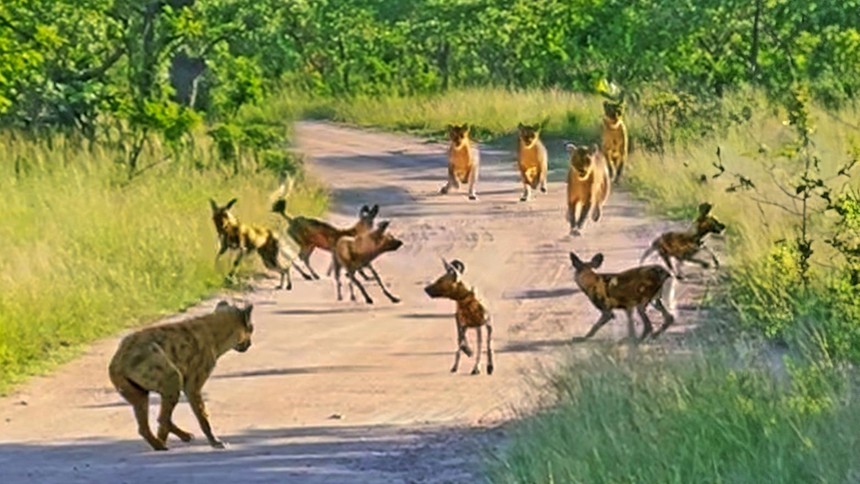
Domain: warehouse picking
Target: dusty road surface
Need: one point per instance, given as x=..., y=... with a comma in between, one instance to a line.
x=346, y=392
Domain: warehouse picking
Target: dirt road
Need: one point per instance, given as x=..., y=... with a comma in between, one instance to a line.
x=346, y=392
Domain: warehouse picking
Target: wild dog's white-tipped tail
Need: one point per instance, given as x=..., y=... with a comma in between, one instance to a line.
x=667, y=294
x=648, y=252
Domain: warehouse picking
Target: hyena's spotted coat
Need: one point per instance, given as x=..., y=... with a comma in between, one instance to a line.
x=174, y=358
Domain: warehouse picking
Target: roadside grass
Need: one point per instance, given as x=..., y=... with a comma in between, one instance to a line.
x=84, y=252
x=691, y=418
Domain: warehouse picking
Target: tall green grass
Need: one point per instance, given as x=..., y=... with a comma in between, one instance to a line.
x=644, y=418
x=85, y=252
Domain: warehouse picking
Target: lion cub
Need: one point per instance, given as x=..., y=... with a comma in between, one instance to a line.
x=464, y=161
x=532, y=160
x=615, y=142
x=173, y=358
x=588, y=185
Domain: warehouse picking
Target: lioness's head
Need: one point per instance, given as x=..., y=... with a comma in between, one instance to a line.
x=458, y=134
x=583, y=158
x=528, y=134
x=613, y=110
x=246, y=328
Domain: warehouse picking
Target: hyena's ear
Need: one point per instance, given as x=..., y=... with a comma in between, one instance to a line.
x=704, y=209
x=576, y=261
x=213, y=205
x=596, y=261
x=569, y=147
x=230, y=203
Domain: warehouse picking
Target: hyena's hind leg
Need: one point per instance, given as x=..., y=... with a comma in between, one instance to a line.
x=139, y=400
x=171, y=386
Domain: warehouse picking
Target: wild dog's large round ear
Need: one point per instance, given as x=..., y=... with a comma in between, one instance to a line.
x=213, y=205
x=375, y=209
x=458, y=265
x=704, y=209
x=575, y=260
x=222, y=305
x=465, y=127
x=246, y=314
x=596, y=261
x=364, y=209
x=569, y=147
x=230, y=203
x=593, y=149
x=383, y=226
x=520, y=126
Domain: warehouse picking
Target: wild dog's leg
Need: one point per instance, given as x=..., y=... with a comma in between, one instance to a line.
x=645, y=321
x=139, y=400
x=461, y=337
x=364, y=275
x=476, y=370
x=195, y=399
x=489, y=346
x=305, y=256
x=713, y=256
x=668, y=260
x=668, y=318
x=352, y=279
x=351, y=291
x=605, y=317
x=631, y=324
x=236, y=263
x=337, y=278
x=391, y=297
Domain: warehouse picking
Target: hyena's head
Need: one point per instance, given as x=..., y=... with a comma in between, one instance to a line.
x=707, y=223
x=583, y=159
x=448, y=284
x=385, y=242
x=528, y=134
x=458, y=134
x=222, y=217
x=613, y=110
x=581, y=266
x=367, y=215
x=246, y=327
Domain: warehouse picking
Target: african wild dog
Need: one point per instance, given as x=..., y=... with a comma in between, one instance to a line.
x=532, y=160
x=615, y=143
x=464, y=161
x=174, y=358
x=683, y=246
x=277, y=253
x=588, y=185
x=311, y=233
x=628, y=290
x=354, y=253
x=471, y=313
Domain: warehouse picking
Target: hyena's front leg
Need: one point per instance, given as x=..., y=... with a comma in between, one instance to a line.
x=195, y=399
